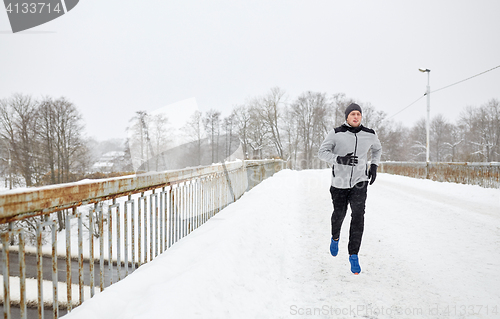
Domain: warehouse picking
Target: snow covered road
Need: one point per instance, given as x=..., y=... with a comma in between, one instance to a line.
x=430, y=250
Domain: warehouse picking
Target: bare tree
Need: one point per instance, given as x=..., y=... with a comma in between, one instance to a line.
x=339, y=102
x=242, y=123
x=268, y=109
x=440, y=138
x=491, y=134
x=291, y=132
x=62, y=147
x=159, y=133
x=229, y=128
x=194, y=131
x=47, y=130
x=309, y=110
x=418, y=141
x=372, y=118
x=7, y=135
x=394, y=140
x=211, y=123
x=257, y=133
x=454, y=144
x=24, y=135
x=141, y=150
x=482, y=132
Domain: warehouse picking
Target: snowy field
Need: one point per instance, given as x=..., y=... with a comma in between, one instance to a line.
x=430, y=250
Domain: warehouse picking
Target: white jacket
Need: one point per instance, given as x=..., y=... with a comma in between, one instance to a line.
x=347, y=139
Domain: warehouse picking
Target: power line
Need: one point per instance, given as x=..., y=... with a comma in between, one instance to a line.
x=498, y=66
x=390, y=117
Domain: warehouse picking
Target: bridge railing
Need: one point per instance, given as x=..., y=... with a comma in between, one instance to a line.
x=482, y=174
x=109, y=228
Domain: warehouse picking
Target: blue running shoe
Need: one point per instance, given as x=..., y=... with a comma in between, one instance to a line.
x=334, y=247
x=355, y=268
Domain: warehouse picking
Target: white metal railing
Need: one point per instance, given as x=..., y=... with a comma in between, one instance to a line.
x=112, y=226
x=482, y=174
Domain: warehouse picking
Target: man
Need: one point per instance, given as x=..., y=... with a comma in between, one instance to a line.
x=346, y=149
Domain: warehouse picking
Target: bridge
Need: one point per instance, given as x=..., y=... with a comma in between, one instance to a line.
x=116, y=224
x=429, y=250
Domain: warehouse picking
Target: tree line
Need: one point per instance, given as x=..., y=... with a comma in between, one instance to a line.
x=43, y=140
x=273, y=126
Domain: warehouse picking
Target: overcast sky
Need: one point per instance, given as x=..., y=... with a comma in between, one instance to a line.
x=112, y=58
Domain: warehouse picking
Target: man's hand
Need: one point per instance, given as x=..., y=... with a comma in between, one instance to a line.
x=348, y=159
x=372, y=173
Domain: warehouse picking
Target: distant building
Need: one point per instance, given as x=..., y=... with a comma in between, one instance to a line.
x=108, y=162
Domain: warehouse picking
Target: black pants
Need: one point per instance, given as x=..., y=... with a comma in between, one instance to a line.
x=356, y=197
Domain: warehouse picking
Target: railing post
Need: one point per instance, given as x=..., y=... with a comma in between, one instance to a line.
x=68, y=264
x=101, y=248
x=55, y=283
x=91, y=248
x=22, y=272
x=6, y=275
x=39, y=264
x=125, y=219
x=145, y=236
x=110, y=245
x=132, y=220
x=80, y=255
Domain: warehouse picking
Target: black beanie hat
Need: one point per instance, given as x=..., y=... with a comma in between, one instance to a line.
x=352, y=107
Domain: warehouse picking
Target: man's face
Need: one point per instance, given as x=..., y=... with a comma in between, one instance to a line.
x=354, y=118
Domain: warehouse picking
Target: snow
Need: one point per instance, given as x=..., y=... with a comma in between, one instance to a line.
x=430, y=250
x=48, y=297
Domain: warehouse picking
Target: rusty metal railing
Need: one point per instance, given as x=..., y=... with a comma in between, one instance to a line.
x=111, y=227
x=482, y=174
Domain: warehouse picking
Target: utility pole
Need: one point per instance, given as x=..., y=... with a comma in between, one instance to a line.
x=428, y=93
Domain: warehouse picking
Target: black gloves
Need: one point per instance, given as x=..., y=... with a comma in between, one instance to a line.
x=352, y=160
x=372, y=173
x=348, y=159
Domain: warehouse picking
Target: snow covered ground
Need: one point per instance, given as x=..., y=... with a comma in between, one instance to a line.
x=430, y=250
